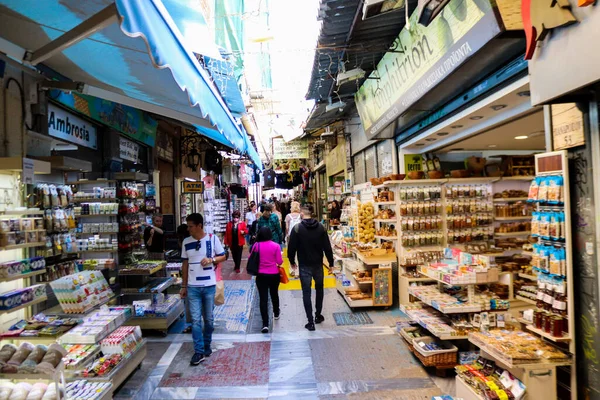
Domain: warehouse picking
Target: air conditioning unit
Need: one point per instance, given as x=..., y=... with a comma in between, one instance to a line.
x=332, y=106
x=350, y=76
x=327, y=133
x=320, y=142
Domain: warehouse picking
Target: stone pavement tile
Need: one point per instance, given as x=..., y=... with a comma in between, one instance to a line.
x=174, y=393
x=292, y=390
x=416, y=394
x=241, y=364
x=363, y=358
x=291, y=362
x=347, y=332
x=362, y=386
x=233, y=392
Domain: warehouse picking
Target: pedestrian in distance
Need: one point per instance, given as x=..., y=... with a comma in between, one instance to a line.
x=268, y=278
x=292, y=219
x=310, y=242
x=235, y=233
x=270, y=220
x=201, y=254
x=250, y=218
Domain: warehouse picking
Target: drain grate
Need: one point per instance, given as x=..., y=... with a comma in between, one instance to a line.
x=356, y=318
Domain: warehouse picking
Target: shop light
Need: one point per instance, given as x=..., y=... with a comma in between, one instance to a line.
x=492, y=145
x=498, y=107
x=193, y=159
x=524, y=93
x=522, y=137
x=190, y=179
x=431, y=139
x=442, y=133
x=476, y=117
x=419, y=144
x=456, y=126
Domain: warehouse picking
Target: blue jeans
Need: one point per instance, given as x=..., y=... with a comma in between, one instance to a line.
x=202, y=304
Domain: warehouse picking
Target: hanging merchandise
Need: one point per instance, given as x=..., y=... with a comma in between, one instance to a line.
x=269, y=176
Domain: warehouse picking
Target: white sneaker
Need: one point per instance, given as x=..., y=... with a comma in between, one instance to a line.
x=265, y=329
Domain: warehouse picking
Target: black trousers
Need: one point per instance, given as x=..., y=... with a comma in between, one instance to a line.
x=268, y=284
x=236, y=254
x=307, y=274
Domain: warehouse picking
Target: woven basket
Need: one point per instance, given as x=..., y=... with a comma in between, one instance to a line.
x=437, y=360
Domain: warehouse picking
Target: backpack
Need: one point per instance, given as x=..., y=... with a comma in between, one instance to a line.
x=294, y=222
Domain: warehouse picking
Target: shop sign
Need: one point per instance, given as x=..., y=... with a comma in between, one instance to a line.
x=64, y=125
x=287, y=165
x=539, y=17
x=129, y=121
x=294, y=149
x=335, y=161
x=567, y=126
x=422, y=58
x=28, y=171
x=128, y=150
x=413, y=162
x=193, y=187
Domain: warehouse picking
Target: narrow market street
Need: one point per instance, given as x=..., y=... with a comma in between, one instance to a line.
x=361, y=358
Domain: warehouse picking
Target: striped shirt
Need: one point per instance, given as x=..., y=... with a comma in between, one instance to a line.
x=195, y=251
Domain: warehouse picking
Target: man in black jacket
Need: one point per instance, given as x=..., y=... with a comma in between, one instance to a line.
x=309, y=241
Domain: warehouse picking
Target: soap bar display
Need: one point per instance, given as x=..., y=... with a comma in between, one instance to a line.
x=18, y=297
x=79, y=292
x=16, y=268
x=86, y=390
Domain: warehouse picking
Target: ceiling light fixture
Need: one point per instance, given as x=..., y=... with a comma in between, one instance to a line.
x=456, y=126
x=524, y=93
x=522, y=137
x=476, y=117
x=431, y=139
x=442, y=133
x=457, y=149
x=492, y=145
x=419, y=144
x=498, y=107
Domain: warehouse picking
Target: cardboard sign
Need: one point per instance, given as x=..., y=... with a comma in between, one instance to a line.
x=567, y=126
x=413, y=162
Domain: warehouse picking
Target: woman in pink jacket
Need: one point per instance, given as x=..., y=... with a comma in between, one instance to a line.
x=267, y=280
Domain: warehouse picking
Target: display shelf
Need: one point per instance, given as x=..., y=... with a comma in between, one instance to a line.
x=465, y=391
x=470, y=309
x=21, y=212
x=427, y=279
x=524, y=218
x=97, y=233
x=23, y=276
x=45, y=340
x=456, y=284
x=507, y=363
x=388, y=221
x=23, y=246
x=518, y=178
x=147, y=273
x=477, y=179
x=29, y=304
x=161, y=288
x=510, y=199
x=89, y=182
x=158, y=323
x=95, y=251
x=512, y=234
x=58, y=311
x=125, y=368
x=442, y=336
x=526, y=300
x=98, y=200
x=18, y=376
x=373, y=260
x=385, y=203
x=548, y=336
x=391, y=238
x=96, y=215
x=530, y=277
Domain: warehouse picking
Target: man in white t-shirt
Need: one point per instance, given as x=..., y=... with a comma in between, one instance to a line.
x=201, y=253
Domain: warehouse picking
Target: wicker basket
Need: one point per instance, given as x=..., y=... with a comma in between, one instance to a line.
x=435, y=358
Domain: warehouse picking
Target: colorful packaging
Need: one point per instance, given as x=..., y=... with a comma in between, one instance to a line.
x=533, y=190
x=543, y=190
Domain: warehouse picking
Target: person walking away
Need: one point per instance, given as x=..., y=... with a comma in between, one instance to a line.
x=310, y=242
x=292, y=219
x=201, y=254
x=154, y=236
x=250, y=218
x=270, y=220
x=182, y=233
x=335, y=214
x=267, y=280
x=235, y=233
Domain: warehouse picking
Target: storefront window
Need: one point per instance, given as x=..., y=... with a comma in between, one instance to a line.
x=385, y=163
x=371, y=163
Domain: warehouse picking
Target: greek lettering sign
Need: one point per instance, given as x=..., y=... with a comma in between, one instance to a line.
x=193, y=187
x=64, y=125
x=128, y=150
x=422, y=58
x=567, y=126
x=293, y=149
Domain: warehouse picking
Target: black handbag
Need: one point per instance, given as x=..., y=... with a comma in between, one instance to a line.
x=253, y=261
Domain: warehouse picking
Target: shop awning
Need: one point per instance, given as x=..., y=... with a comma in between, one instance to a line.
x=249, y=149
x=127, y=51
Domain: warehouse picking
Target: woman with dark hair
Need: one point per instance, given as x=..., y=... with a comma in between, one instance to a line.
x=336, y=212
x=235, y=234
x=267, y=280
